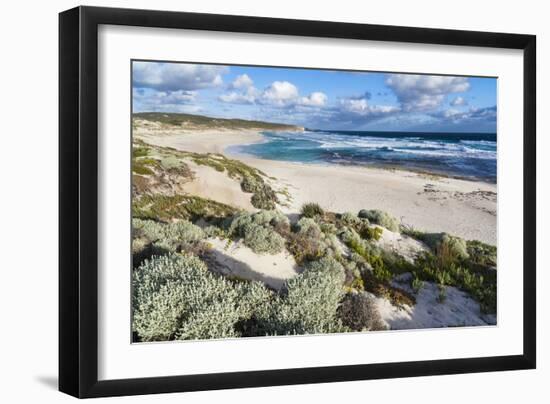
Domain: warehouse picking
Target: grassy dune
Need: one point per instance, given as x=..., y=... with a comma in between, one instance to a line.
x=205, y=122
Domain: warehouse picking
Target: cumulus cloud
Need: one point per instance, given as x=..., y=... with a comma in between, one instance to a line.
x=277, y=94
x=458, y=102
x=242, y=81
x=176, y=76
x=316, y=99
x=280, y=93
x=423, y=92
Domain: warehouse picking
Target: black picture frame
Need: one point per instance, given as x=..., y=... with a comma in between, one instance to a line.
x=78, y=201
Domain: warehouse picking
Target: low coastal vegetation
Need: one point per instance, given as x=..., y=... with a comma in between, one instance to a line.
x=154, y=166
x=205, y=122
x=176, y=296
x=342, y=263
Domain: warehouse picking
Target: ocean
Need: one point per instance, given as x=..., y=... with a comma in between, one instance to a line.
x=463, y=155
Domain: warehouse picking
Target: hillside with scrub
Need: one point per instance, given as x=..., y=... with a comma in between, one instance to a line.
x=218, y=253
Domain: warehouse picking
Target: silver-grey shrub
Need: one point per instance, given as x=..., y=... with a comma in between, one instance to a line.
x=262, y=240
x=308, y=225
x=265, y=218
x=381, y=218
x=176, y=297
x=311, y=301
x=169, y=235
x=257, y=230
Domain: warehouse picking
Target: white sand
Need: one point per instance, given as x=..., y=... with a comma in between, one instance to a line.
x=458, y=309
x=430, y=203
x=201, y=141
x=238, y=260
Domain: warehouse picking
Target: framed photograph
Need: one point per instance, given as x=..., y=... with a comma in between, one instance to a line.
x=251, y=201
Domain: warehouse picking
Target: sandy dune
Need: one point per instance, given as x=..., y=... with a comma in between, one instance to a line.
x=238, y=260
x=217, y=186
x=457, y=310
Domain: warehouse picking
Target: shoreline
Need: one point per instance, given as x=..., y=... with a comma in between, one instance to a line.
x=425, y=201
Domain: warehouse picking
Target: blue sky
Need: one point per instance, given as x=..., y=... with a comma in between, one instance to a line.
x=318, y=99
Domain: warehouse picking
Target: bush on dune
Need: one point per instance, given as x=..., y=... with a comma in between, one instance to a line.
x=312, y=210
x=308, y=241
x=381, y=218
x=263, y=240
x=310, y=303
x=358, y=312
x=176, y=297
x=481, y=253
x=155, y=238
x=349, y=219
x=371, y=233
x=265, y=218
x=258, y=230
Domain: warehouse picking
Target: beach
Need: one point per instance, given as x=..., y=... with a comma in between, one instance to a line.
x=426, y=202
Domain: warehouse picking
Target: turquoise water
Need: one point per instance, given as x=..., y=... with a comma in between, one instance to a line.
x=468, y=155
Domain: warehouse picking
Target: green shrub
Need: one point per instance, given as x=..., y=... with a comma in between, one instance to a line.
x=312, y=210
x=381, y=218
x=328, y=228
x=481, y=253
x=371, y=233
x=310, y=303
x=417, y=284
x=169, y=207
x=263, y=240
x=379, y=269
x=358, y=312
x=139, y=151
x=479, y=282
x=349, y=219
x=143, y=166
x=264, y=197
x=443, y=243
x=359, y=246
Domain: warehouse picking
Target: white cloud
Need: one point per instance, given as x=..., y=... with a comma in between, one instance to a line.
x=176, y=76
x=362, y=107
x=242, y=81
x=280, y=93
x=238, y=98
x=316, y=99
x=458, y=101
x=423, y=92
